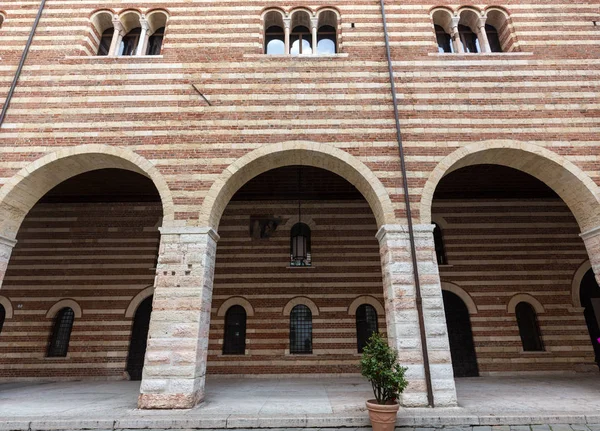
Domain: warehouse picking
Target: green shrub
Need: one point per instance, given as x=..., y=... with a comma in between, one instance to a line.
x=379, y=364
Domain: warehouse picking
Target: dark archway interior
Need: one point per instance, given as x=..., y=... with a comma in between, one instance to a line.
x=460, y=335
x=589, y=294
x=139, y=339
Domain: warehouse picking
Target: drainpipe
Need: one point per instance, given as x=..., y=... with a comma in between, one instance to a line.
x=411, y=233
x=21, y=63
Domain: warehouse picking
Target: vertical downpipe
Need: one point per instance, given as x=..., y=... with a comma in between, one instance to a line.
x=411, y=233
x=13, y=85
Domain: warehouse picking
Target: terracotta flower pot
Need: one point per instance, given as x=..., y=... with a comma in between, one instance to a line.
x=383, y=416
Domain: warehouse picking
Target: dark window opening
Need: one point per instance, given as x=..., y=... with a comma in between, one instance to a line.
x=444, y=40
x=274, y=40
x=139, y=339
x=326, y=40
x=469, y=39
x=589, y=294
x=105, y=41
x=460, y=336
x=155, y=42
x=529, y=329
x=440, y=250
x=2, y=317
x=234, y=342
x=301, y=330
x=366, y=325
x=493, y=38
x=130, y=42
x=61, y=333
x=300, y=245
x=301, y=40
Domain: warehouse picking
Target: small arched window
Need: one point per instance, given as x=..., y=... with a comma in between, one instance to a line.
x=444, y=40
x=105, y=41
x=2, y=314
x=300, y=329
x=440, y=249
x=326, y=40
x=234, y=340
x=529, y=329
x=493, y=38
x=469, y=39
x=274, y=40
x=366, y=325
x=300, y=40
x=300, y=245
x=155, y=42
x=61, y=333
x=130, y=42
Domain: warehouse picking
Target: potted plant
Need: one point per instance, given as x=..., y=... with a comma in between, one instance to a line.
x=379, y=364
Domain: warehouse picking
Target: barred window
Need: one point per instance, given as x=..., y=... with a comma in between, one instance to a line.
x=2, y=316
x=529, y=329
x=301, y=329
x=440, y=250
x=366, y=325
x=61, y=333
x=234, y=342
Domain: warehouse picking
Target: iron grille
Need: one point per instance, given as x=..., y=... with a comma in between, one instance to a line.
x=366, y=325
x=61, y=333
x=301, y=330
x=528, y=328
x=234, y=342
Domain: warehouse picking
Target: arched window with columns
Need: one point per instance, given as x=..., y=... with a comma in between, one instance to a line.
x=102, y=23
x=327, y=23
x=470, y=31
x=275, y=37
x=154, y=34
x=442, y=24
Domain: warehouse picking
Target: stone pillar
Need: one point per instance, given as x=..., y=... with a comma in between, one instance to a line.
x=117, y=37
x=484, y=42
x=402, y=315
x=144, y=36
x=6, y=247
x=458, y=46
x=286, y=33
x=314, y=24
x=175, y=365
x=591, y=239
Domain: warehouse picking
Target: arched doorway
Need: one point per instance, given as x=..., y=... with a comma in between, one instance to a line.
x=139, y=339
x=589, y=295
x=460, y=336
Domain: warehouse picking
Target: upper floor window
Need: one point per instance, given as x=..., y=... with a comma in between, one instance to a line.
x=438, y=240
x=472, y=31
x=529, y=329
x=300, y=329
x=234, y=342
x=301, y=32
x=61, y=333
x=300, y=239
x=366, y=325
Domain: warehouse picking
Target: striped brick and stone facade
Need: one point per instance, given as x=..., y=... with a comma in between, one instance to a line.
x=212, y=112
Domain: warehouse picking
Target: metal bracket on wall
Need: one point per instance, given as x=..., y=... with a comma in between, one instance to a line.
x=200, y=93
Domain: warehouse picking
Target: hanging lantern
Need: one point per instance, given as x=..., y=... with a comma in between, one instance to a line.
x=300, y=245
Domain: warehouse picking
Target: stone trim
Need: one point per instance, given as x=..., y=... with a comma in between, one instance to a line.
x=72, y=304
x=576, y=283
x=462, y=294
x=190, y=230
x=236, y=300
x=366, y=299
x=524, y=297
x=300, y=300
x=8, y=308
x=137, y=300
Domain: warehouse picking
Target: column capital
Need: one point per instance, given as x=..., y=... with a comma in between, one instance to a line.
x=190, y=230
x=144, y=24
x=314, y=22
x=287, y=22
x=590, y=233
x=117, y=24
x=454, y=21
x=403, y=229
x=481, y=21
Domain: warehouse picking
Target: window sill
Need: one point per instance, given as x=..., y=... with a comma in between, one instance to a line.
x=111, y=57
x=306, y=56
x=446, y=266
x=57, y=358
x=480, y=54
x=536, y=352
x=301, y=267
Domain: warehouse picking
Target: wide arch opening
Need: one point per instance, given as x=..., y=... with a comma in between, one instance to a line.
x=89, y=244
x=299, y=290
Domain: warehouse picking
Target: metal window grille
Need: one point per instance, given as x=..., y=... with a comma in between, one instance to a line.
x=440, y=250
x=301, y=329
x=61, y=333
x=2, y=317
x=234, y=342
x=366, y=325
x=529, y=329
x=300, y=245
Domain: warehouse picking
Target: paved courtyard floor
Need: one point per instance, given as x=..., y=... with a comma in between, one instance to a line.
x=299, y=402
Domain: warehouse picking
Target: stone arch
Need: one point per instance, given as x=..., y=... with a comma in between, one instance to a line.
x=366, y=299
x=236, y=300
x=137, y=300
x=273, y=156
x=462, y=294
x=31, y=183
x=63, y=303
x=576, y=283
x=8, y=308
x=575, y=188
x=524, y=297
x=300, y=300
